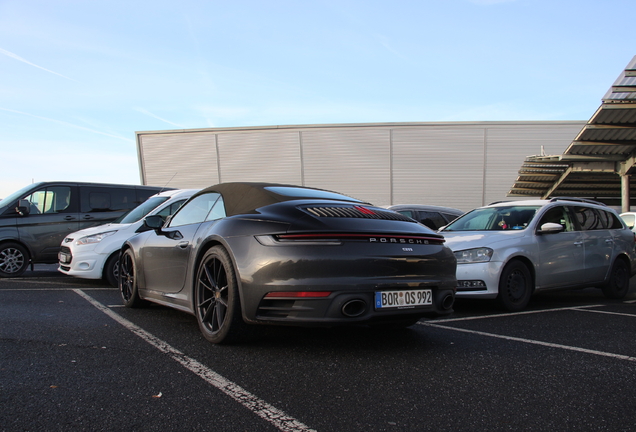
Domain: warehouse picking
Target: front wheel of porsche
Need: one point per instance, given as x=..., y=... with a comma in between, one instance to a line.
x=128, y=280
x=217, y=304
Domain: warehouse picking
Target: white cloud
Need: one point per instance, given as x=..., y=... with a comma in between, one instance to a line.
x=68, y=124
x=17, y=57
x=148, y=113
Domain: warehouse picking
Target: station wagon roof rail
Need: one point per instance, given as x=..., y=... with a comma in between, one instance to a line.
x=585, y=200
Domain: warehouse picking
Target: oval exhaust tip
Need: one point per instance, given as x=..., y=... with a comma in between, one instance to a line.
x=354, y=308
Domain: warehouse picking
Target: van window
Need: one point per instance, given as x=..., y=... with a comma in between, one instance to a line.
x=100, y=199
x=49, y=200
x=433, y=220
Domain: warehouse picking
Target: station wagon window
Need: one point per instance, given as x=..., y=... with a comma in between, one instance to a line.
x=592, y=219
x=50, y=200
x=494, y=219
x=610, y=220
x=558, y=215
x=196, y=210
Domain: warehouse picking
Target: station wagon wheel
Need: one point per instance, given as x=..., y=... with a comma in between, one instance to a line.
x=14, y=260
x=617, y=285
x=515, y=286
x=217, y=304
x=128, y=280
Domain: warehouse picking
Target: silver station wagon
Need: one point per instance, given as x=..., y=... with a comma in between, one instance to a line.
x=510, y=250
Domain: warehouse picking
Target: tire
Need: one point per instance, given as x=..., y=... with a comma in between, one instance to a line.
x=515, y=287
x=14, y=260
x=128, y=280
x=216, y=299
x=111, y=270
x=617, y=284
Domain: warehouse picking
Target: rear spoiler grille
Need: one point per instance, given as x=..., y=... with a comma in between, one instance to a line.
x=359, y=212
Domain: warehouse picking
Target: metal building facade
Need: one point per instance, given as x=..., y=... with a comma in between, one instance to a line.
x=459, y=164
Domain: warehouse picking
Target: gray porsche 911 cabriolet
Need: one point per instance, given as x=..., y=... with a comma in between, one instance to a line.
x=258, y=253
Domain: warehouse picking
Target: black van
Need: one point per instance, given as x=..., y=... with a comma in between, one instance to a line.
x=35, y=219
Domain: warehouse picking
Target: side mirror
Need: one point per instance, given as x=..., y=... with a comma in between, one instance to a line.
x=550, y=228
x=154, y=222
x=23, y=208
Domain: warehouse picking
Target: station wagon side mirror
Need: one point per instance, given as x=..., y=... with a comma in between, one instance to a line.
x=23, y=208
x=550, y=228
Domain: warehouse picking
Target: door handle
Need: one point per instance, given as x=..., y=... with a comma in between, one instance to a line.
x=183, y=244
x=87, y=217
x=69, y=217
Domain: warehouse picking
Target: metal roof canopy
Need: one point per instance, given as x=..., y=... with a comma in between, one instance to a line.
x=599, y=162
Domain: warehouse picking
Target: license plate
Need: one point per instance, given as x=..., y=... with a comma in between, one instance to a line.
x=64, y=258
x=402, y=299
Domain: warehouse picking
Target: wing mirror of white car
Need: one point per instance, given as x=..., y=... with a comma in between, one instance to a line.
x=550, y=227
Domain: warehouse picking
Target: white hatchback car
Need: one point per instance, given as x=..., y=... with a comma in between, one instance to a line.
x=93, y=253
x=510, y=250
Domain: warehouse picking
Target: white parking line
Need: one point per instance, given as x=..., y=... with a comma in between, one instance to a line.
x=512, y=314
x=530, y=341
x=258, y=406
x=608, y=313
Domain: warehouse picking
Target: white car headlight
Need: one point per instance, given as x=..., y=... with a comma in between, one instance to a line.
x=95, y=238
x=473, y=255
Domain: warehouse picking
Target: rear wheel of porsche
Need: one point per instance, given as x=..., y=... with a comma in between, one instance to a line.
x=217, y=303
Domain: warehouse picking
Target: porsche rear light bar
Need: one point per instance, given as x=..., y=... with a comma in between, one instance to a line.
x=298, y=294
x=370, y=238
x=335, y=239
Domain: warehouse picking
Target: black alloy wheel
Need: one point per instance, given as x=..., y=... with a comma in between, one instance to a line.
x=617, y=285
x=128, y=280
x=515, y=286
x=217, y=304
x=14, y=260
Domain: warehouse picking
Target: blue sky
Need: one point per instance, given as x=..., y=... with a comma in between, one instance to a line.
x=78, y=78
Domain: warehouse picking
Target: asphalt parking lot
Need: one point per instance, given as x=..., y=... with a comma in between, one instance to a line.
x=71, y=358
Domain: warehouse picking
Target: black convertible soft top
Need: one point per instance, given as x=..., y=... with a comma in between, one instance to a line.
x=246, y=197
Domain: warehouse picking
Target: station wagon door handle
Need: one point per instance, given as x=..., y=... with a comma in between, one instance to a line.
x=578, y=243
x=183, y=245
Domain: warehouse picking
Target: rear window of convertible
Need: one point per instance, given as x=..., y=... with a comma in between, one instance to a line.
x=308, y=193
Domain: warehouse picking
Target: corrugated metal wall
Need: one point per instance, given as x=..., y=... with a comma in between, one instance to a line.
x=463, y=165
